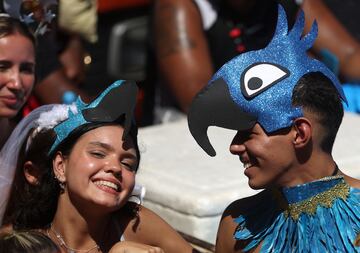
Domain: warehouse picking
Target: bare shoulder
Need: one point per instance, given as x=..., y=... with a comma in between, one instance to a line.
x=353, y=182
x=149, y=228
x=225, y=241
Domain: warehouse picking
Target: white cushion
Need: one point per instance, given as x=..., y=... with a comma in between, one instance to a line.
x=190, y=189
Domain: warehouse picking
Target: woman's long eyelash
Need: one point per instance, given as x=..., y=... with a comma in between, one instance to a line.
x=28, y=70
x=97, y=153
x=3, y=67
x=129, y=166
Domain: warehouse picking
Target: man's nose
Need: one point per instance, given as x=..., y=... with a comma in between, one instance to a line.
x=237, y=145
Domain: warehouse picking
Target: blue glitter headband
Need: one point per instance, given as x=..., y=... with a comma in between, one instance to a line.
x=257, y=86
x=117, y=100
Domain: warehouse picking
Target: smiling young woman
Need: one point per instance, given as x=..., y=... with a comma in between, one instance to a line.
x=75, y=174
x=17, y=70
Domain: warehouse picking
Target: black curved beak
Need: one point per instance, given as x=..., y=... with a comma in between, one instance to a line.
x=120, y=101
x=213, y=106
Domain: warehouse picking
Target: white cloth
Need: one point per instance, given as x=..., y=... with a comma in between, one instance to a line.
x=10, y=152
x=208, y=13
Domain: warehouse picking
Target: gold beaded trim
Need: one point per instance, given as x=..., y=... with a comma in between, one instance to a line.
x=325, y=199
x=357, y=241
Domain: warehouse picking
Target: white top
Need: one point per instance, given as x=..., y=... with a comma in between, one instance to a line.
x=208, y=13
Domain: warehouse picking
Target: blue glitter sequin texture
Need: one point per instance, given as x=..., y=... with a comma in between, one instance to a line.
x=286, y=57
x=74, y=120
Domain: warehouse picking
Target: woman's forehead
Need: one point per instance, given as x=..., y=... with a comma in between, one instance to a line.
x=107, y=132
x=110, y=135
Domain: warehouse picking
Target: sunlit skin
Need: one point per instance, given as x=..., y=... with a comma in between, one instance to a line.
x=99, y=174
x=100, y=170
x=17, y=73
x=266, y=158
x=284, y=158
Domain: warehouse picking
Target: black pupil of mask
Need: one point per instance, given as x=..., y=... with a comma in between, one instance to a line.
x=255, y=83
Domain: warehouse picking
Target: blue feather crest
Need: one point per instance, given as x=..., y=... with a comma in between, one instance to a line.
x=74, y=120
x=269, y=75
x=295, y=34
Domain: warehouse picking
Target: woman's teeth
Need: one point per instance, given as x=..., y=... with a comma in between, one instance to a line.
x=108, y=184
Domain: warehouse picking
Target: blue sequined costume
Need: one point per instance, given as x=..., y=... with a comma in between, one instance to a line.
x=256, y=88
x=320, y=216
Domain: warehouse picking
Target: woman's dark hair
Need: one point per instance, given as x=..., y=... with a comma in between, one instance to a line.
x=26, y=242
x=34, y=206
x=10, y=26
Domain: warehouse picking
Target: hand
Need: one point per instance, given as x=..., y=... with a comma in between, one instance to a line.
x=133, y=247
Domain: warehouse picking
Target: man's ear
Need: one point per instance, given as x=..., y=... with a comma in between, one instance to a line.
x=59, y=167
x=31, y=173
x=302, y=132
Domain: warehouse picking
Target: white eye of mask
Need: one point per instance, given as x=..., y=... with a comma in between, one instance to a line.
x=261, y=76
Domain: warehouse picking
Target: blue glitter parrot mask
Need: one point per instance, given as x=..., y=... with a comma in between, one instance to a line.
x=115, y=102
x=257, y=86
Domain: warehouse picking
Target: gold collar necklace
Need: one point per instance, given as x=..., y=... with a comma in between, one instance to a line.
x=68, y=249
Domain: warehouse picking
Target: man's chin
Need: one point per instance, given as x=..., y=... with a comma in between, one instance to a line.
x=256, y=186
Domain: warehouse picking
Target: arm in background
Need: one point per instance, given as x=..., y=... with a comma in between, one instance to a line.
x=181, y=49
x=334, y=37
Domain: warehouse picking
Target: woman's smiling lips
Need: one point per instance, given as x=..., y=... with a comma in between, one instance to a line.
x=108, y=186
x=10, y=100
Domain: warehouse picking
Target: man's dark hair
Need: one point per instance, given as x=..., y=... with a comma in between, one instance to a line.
x=316, y=94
